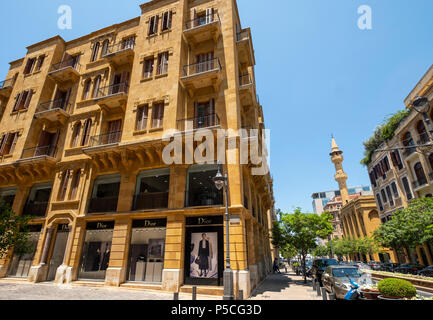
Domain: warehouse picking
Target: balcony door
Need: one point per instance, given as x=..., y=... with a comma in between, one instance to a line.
x=47, y=143
x=114, y=131
x=61, y=99
x=204, y=114
x=205, y=62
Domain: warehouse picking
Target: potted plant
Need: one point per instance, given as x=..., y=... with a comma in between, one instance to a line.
x=370, y=291
x=396, y=289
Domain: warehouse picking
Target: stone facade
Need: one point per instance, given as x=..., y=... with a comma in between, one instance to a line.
x=83, y=121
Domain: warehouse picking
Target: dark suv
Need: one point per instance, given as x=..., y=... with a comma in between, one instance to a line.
x=319, y=266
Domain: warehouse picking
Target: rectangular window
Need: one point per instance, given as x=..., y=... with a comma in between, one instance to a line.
x=379, y=202
x=9, y=142
x=158, y=115
x=148, y=68
x=407, y=188
x=152, y=189
x=142, y=115
x=153, y=25
x=64, y=186
x=395, y=190
x=162, y=63
x=382, y=192
x=166, y=20
x=388, y=192
x=30, y=66
x=75, y=184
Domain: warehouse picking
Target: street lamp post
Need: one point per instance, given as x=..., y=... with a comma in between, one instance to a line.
x=221, y=183
x=422, y=106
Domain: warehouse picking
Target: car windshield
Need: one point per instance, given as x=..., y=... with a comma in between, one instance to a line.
x=346, y=272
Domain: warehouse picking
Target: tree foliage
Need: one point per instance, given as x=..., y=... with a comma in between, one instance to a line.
x=13, y=231
x=383, y=133
x=321, y=251
x=301, y=230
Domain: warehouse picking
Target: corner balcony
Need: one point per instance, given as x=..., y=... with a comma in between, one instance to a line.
x=6, y=87
x=245, y=47
x=112, y=97
x=202, y=75
x=65, y=71
x=247, y=90
x=120, y=53
x=204, y=28
x=56, y=110
x=204, y=122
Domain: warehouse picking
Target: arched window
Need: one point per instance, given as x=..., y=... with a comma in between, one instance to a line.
x=76, y=134
x=420, y=128
x=105, y=47
x=86, y=132
x=407, y=140
x=96, y=86
x=420, y=175
x=86, y=89
x=95, y=51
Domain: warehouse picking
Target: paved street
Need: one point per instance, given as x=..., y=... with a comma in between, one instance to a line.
x=285, y=286
x=47, y=291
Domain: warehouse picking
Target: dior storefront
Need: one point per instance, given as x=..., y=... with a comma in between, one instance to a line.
x=146, y=251
x=96, y=250
x=204, y=254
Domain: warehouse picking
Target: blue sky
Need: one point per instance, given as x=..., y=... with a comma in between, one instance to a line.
x=317, y=73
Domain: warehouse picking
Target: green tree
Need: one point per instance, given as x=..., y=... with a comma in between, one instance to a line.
x=289, y=252
x=13, y=231
x=408, y=227
x=301, y=231
x=321, y=251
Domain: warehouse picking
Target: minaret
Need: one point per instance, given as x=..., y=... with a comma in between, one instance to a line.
x=340, y=176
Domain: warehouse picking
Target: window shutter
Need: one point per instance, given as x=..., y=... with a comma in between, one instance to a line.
x=54, y=143
x=170, y=19
x=17, y=101
x=64, y=186
x=75, y=184
x=28, y=99
x=14, y=143
x=3, y=143
x=209, y=15
x=394, y=159
x=155, y=26
x=140, y=112
x=86, y=132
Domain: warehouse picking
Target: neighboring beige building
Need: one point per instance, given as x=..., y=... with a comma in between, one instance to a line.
x=82, y=151
x=399, y=172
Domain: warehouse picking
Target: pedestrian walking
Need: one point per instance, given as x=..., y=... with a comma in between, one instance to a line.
x=276, y=266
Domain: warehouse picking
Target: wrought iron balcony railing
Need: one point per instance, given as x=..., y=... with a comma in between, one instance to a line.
x=120, y=88
x=101, y=205
x=36, y=209
x=70, y=63
x=148, y=201
x=243, y=35
x=54, y=105
x=105, y=139
x=202, y=67
x=49, y=150
x=119, y=47
x=245, y=80
x=6, y=83
x=198, y=122
x=409, y=151
x=202, y=21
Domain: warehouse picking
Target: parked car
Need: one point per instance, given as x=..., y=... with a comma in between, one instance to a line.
x=389, y=266
x=336, y=279
x=409, y=268
x=426, y=272
x=308, y=265
x=374, y=265
x=319, y=266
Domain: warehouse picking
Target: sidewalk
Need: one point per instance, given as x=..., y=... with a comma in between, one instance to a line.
x=284, y=286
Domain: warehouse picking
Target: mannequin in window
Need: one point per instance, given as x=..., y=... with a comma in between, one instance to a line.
x=105, y=259
x=205, y=254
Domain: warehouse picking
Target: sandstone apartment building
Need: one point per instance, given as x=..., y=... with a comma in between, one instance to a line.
x=82, y=145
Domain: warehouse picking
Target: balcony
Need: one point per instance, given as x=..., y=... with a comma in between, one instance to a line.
x=112, y=97
x=149, y=201
x=120, y=53
x=196, y=123
x=420, y=184
x=105, y=139
x=36, y=209
x=423, y=139
x=408, y=152
x=247, y=90
x=202, y=75
x=6, y=87
x=203, y=28
x=56, y=110
x=39, y=153
x=65, y=71
x=102, y=205
x=245, y=47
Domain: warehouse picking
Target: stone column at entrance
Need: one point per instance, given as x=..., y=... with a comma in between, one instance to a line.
x=116, y=272
x=39, y=272
x=172, y=275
